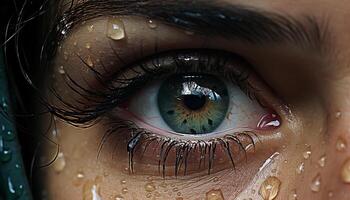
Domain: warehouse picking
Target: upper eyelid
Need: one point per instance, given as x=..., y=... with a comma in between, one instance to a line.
x=241, y=23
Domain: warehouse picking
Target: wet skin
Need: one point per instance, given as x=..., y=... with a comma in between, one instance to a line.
x=314, y=85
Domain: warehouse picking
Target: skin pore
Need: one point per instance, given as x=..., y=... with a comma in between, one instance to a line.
x=306, y=87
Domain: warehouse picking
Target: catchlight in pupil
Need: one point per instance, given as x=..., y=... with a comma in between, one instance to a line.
x=193, y=104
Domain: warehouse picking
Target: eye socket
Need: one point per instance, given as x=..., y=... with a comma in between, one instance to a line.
x=222, y=102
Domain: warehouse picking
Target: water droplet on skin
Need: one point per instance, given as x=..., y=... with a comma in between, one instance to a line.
x=340, y=144
x=91, y=191
x=148, y=195
x=125, y=190
x=322, y=161
x=149, y=187
x=79, y=178
x=307, y=154
x=338, y=115
x=90, y=28
x=315, y=185
x=14, y=192
x=5, y=154
x=152, y=24
x=89, y=62
x=214, y=195
x=118, y=197
x=253, y=191
x=9, y=135
x=300, y=168
x=175, y=189
x=115, y=29
x=123, y=182
x=345, y=172
x=269, y=188
x=88, y=45
x=60, y=163
x=75, y=43
x=61, y=70
x=293, y=195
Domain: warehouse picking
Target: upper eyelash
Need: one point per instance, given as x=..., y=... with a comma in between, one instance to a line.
x=140, y=136
x=110, y=95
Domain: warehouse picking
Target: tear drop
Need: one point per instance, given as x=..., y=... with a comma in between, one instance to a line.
x=315, y=185
x=88, y=45
x=9, y=136
x=89, y=62
x=15, y=192
x=214, y=195
x=269, y=188
x=307, y=154
x=115, y=29
x=345, y=172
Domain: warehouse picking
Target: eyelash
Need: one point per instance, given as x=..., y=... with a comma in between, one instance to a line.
x=184, y=148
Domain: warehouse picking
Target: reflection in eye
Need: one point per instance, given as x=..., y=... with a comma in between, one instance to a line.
x=189, y=111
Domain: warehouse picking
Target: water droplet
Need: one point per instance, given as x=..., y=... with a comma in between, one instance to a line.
x=118, y=197
x=345, y=172
x=149, y=187
x=307, y=154
x=90, y=28
x=125, y=190
x=148, y=195
x=89, y=62
x=322, y=161
x=9, y=136
x=316, y=183
x=341, y=144
x=61, y=70
x=338, y=115
x=14, y=192
x=152, y=24
x=214, y=195
x=293, y=195
x=123, y=181
x=175, y=189
x=300, y=168
x=88, y=45
x=115, y=29
x=75, y=43
x=60, y=163
x=91, y=191
x=5, y=154
x=269, y=188
x=79, y=178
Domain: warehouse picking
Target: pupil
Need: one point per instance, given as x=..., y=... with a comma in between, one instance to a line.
x=194, y=102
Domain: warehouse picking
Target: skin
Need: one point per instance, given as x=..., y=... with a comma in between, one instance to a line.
x=314, y=87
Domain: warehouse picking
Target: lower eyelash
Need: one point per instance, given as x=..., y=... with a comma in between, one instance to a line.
x=183, y=148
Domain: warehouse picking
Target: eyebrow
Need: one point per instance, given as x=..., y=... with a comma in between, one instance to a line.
x=238, y=22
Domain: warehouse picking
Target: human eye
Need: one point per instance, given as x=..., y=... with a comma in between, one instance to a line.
x=192, y=110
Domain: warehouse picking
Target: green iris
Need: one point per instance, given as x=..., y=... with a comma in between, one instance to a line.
x=193, y=104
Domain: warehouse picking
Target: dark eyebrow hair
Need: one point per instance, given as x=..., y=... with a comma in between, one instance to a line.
x=208, y=18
